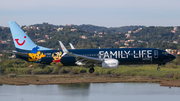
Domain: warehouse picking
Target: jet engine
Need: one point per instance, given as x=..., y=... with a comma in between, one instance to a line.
x=110, y=63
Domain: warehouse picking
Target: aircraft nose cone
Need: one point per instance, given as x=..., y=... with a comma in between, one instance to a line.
x=172, y=57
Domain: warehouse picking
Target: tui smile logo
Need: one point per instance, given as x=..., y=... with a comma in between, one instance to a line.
x=20, y=44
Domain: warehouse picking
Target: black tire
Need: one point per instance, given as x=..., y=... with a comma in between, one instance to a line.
x=158, y=68
x=91, y=70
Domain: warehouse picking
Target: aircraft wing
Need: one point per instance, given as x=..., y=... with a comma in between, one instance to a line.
x=86, y=58
x=80, y=58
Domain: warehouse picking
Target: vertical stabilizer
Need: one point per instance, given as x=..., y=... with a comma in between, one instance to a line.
x=21, y=40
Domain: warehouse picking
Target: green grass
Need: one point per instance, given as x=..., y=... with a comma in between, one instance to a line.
x=144, y=70
x=133, y=70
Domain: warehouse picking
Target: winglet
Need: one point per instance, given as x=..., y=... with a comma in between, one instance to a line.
x=63, y=47
x=72, y=47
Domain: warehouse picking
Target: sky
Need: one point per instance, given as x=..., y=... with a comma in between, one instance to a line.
x=108, y=13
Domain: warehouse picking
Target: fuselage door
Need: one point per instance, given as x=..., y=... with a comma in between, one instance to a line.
x=155, y=53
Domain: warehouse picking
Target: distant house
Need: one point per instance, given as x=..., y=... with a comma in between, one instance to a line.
x=60, y=29
x=73, y=30
x=176, y=29
x=38, y=28
x=140, y=41
x=117, y=43
x=37, y=34
x=168, y=50
x=3, y=42
x=122, y=41
x=47, y=36
x=178, y=53
x=129, y=32
x=171, y=51
x=176, y=42
x=130, y=40
x=69, y=24
x=24, y=27
x=127, y=35
x=83, y=37
x=33, y=27
x=173, y=31
x=122, y=47
x=8, y=40
x=135, y=31
x=100, y=33
x=41, y=41
x=174, y=52
x=126, y=44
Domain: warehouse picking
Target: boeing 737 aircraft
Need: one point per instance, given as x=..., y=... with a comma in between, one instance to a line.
x=106, y=58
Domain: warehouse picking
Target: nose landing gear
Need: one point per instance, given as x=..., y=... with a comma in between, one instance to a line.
x=158, y=68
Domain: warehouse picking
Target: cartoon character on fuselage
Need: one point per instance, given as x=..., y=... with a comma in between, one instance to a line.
x=57, y=58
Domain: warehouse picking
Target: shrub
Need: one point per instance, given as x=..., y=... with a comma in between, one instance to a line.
x=55, y=70
x=108, y=72
x=37, y=71
x=11, y=75
x=11, y=70
x=170, y=75
x=21, y=70
x=24, y=70
x=95, y=74
x=82, y=71
x=74, y=72
x=65, y=70
x=176, y=76
x=47, y=70
x=28, y=70
x=171, y=65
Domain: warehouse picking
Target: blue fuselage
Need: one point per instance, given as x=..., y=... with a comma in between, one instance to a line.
x=123, y=55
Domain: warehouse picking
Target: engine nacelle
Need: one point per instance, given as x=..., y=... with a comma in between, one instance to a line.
x=79, y=63
x=110, y=63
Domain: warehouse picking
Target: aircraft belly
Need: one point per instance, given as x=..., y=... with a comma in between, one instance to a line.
x=68, y=61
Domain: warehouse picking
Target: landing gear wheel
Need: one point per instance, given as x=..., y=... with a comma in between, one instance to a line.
x=91, y=70
x=158, y=68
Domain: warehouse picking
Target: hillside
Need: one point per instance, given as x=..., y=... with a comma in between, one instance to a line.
x=90, y=36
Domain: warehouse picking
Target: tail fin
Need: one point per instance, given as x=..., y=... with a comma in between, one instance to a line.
x=21, y=40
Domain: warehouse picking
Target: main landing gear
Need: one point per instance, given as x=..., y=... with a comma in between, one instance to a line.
x=158, y=68
x=91, y=70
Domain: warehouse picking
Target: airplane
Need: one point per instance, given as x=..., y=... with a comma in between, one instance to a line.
x=27, y=50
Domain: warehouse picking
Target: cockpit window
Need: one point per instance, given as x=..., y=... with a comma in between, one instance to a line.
x=165, y=53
